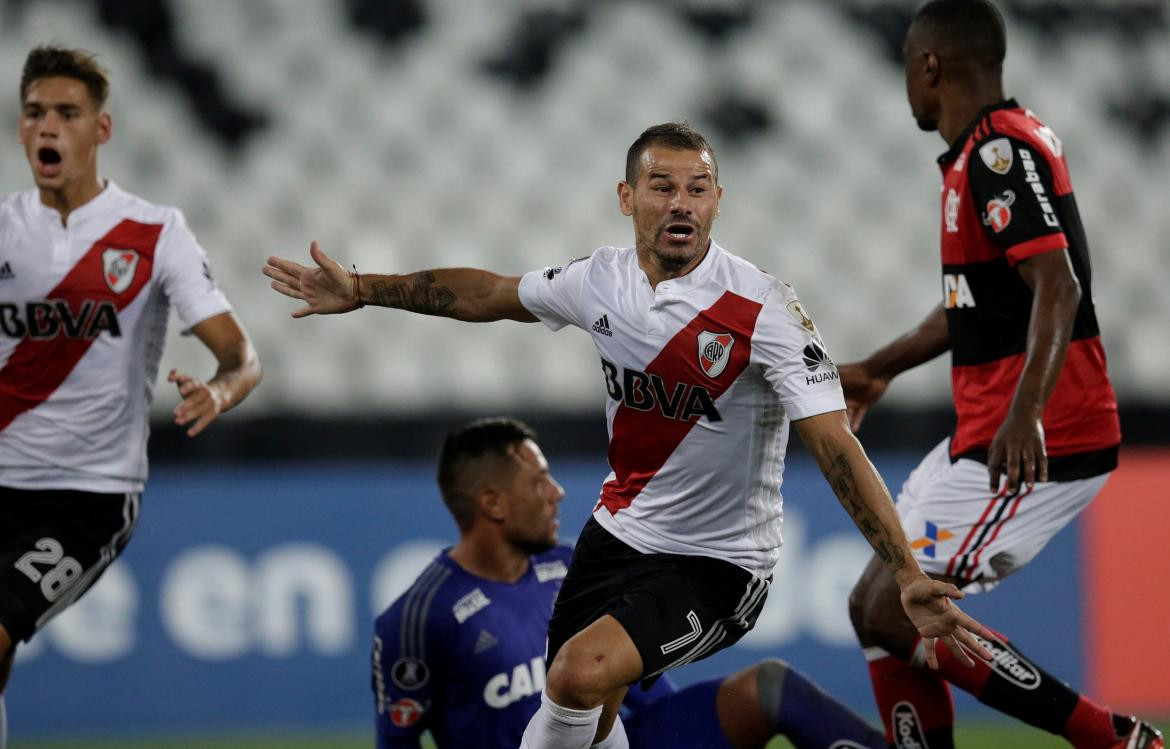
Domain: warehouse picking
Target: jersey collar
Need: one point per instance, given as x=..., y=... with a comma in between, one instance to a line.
x=961, y=141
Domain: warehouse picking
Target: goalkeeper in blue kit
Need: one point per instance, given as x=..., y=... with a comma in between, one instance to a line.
x=461, y=653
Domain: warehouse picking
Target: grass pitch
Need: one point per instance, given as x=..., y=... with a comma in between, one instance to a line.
x=973, y=736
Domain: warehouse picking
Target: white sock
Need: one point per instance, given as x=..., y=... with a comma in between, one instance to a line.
x=556, y=727
x=3, y=724
x=615, y=740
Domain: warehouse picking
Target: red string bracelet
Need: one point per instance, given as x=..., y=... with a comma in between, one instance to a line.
x=357, y=287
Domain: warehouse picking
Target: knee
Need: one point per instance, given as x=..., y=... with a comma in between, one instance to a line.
x=577, y=678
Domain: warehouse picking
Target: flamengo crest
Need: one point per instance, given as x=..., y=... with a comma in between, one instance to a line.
x=714, y=352
x=118, y=268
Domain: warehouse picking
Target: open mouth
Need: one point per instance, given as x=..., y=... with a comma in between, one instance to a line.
x=49, y=156
x=680, y=232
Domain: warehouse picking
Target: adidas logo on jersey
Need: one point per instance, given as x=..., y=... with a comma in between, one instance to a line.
x=485, y=641
x=602, y=326
x=6, y=273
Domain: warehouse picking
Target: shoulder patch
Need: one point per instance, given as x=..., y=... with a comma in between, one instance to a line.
x=997, y=155
x=796, y=309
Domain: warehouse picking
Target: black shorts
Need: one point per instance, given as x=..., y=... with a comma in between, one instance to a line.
x=676, y=608
x=54, y=545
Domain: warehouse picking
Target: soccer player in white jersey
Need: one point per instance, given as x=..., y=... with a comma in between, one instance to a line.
x=87, y=275
x=706, y=360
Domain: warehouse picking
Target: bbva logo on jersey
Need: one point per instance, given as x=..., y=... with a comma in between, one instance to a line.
x=118, y=268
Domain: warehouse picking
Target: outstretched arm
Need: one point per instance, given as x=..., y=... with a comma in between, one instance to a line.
x=865, y=381
x=238, y=372
x=861, y=492
x=1018, y=447
x=461, y=293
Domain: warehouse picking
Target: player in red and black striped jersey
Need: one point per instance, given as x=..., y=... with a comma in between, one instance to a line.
x=1035, y=409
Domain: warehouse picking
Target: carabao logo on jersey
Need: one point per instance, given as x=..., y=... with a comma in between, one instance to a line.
x=118, y=268
x=997, y=155
x=999, y=211
x=956, y=291
x=951, y=211
x=1009, y=664
x=934, y=536
x=908, y=733
x=1032, y=177
x=714, y=352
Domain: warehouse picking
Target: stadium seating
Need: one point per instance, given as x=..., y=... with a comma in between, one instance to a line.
x=400, y=151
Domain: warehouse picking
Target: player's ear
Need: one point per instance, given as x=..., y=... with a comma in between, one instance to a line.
x=625, y=193
x=105, y=127
x=491, y=503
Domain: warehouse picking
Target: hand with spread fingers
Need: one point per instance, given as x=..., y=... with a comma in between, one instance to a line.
x=202, y=402
x=327, y=289
x=928, y=604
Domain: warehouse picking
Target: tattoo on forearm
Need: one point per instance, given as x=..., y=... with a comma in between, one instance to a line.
x=844, y=483
x=418, y=294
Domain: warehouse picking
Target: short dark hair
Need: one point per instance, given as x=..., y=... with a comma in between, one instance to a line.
x=466, y=446
x=678, y=135
x=48, y=61
x=971, y=30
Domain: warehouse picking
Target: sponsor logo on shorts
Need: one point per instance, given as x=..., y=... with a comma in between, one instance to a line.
x=934, y=536
x=1011, y=665
x=908, y=732
x=410, y=673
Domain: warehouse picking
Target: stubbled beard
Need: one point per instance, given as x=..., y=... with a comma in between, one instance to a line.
x=532, y=546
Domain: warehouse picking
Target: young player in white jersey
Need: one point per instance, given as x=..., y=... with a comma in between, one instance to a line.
x=89, y=274
x=706, y=360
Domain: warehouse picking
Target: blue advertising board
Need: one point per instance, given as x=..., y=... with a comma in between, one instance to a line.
x=246, y=598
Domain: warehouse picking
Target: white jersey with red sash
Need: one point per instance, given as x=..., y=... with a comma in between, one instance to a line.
x=704, y=373
x=83, y=317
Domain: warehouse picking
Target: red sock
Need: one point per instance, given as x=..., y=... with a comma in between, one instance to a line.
x=1090, y=726
x=910, y=699
x=970, y=679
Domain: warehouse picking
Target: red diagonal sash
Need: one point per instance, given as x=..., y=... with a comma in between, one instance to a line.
x=37, y=367
x=643, y=440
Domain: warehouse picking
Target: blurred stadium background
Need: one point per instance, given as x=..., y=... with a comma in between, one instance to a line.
x=406, y=134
